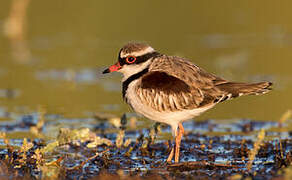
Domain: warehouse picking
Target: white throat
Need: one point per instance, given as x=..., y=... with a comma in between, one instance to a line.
x=129, y=70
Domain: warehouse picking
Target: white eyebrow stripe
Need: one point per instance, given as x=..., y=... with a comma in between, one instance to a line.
x=138, y=53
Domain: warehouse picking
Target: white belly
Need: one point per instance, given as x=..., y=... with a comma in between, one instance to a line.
x=169, y=117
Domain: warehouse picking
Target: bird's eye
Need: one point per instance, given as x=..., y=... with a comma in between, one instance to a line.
x=130, y=59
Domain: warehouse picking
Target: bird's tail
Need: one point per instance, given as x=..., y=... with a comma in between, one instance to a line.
x=238, y=89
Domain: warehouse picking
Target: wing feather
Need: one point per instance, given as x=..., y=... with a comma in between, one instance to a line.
x=174, y=84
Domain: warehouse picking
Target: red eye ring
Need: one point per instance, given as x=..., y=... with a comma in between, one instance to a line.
x=130, y=59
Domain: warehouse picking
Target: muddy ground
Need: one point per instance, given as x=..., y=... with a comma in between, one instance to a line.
x=113, y=148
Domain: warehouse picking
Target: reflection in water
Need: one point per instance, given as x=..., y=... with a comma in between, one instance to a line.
x=274, y=37
x=9, y=93
x=231, y=64
x=3, y=113
x=236, y=61
x=15, y=30
x=79, y=76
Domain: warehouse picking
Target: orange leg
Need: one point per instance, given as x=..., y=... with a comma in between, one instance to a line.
x=181, y=128
x=177, y=145
x=170, y=155
x=177, y=142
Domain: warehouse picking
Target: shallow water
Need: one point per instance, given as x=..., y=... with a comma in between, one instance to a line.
x=56, y=61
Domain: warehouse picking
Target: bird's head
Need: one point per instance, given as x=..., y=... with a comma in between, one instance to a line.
x=133, y=58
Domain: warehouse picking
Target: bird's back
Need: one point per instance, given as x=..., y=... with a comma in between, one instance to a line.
x=175, y=84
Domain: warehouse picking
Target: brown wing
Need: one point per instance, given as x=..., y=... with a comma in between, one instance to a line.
x=175, y=84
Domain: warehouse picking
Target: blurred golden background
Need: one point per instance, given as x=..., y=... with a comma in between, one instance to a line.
x=52, y=52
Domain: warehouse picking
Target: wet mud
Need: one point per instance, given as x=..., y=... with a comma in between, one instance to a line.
x=208, y=151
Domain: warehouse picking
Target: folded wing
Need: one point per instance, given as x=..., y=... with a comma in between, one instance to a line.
x=174, y=84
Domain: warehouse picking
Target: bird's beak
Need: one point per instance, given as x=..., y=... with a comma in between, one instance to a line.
x=112, y=68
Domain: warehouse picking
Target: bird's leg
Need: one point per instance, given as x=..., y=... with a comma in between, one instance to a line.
x=170, y=154
x=177, y=142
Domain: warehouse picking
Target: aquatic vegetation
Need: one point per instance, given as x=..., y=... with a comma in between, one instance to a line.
x=255, y=149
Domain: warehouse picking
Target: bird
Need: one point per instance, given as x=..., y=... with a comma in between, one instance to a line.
x=171, y=89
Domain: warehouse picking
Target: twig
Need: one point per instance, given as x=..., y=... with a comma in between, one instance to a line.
x=186, y=166
x=89, y=159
